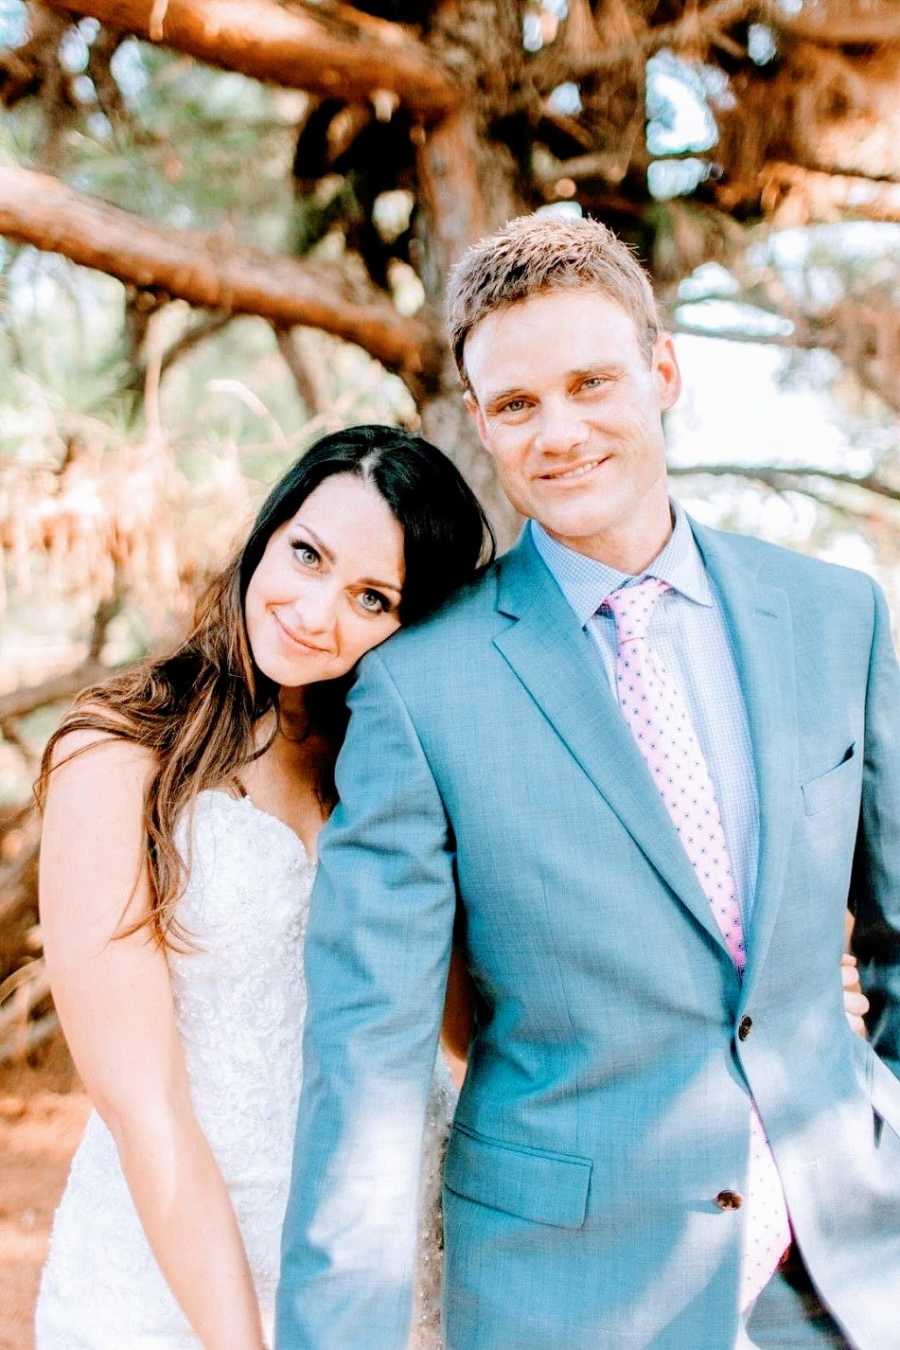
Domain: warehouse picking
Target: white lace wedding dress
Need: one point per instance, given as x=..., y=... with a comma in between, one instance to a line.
x=240, y=1000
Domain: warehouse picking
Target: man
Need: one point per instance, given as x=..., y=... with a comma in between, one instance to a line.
x=643, y=765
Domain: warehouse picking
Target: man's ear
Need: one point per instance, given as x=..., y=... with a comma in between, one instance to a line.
x=473, y=408
x=666, y=372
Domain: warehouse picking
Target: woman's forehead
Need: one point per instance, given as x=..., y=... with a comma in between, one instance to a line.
x=354, y=523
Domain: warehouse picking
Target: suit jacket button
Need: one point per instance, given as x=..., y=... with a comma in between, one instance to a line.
x=745, y=1027
x=729, y=1200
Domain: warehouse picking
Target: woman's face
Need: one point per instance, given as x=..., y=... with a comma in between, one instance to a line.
x=328, y=586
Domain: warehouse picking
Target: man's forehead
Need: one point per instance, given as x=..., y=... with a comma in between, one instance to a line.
x=513, y=348
x=597, y=314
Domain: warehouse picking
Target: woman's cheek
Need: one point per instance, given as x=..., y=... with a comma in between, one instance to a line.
x=371, y=634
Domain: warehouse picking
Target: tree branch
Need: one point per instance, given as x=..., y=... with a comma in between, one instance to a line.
x=823, y=335
x=59, y=687
x=847, y=23
x=858, y=175
x=855, y=24
x=696, y=27
x=299, y=370
x=26, y=69
x=788, y=476
x=201, y=269
x=32, y=1036
x=192, y=338
x=830, y=194
x=804, y=341
x=327, y=51
x=11, y=734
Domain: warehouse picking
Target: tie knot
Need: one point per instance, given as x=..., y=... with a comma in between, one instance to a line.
x=632, y=607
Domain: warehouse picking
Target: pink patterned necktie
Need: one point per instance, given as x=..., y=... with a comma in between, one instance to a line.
x=658, y=718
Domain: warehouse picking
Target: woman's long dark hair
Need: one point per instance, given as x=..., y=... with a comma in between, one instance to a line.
x=198, y=708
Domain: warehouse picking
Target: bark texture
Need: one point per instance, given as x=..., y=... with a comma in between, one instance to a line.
x=327, y=50
x=38, y=209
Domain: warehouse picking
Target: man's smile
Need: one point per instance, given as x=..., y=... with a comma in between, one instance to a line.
x=575, y=472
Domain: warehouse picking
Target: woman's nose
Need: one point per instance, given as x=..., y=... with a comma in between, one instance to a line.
x=315, y=609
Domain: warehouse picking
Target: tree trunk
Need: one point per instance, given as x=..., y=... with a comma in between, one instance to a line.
x=468, y=188
x=466, y=193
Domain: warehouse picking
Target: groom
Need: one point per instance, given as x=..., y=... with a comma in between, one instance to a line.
x=640, y=768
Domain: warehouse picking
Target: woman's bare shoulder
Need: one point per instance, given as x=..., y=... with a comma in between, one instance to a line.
x=100, y=750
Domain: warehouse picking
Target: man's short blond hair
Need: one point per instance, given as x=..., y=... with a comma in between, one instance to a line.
x=538, y=253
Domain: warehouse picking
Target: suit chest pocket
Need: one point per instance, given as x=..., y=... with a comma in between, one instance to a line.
x=830, y=787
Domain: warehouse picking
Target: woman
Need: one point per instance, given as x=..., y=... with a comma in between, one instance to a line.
x=182, y=803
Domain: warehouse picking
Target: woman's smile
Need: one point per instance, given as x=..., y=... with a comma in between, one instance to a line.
x=294, y=639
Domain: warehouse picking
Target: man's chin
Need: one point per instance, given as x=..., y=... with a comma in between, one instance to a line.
x=577, y=521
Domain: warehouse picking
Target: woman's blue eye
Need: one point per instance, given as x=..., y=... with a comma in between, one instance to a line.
x=374, y=602
x=305, y=552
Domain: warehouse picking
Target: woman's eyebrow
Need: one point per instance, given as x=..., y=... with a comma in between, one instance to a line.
x=317, y=540
x=327, y=553
x=382, y=585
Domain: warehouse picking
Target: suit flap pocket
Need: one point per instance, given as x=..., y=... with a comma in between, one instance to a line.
x=533, y=1183
x=828, y=787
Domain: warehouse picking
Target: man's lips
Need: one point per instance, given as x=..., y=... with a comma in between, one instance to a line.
x=573, y=472
x=295, y=638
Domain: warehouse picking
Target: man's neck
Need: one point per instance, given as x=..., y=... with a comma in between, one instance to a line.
x=628, y=550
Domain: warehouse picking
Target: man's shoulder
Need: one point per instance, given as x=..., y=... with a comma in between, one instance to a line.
x=468, y=618
x=789, y=568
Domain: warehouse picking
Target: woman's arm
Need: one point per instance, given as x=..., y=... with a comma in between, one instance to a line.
x=856, y=1005
x=459, y=1017
x=115, y=1005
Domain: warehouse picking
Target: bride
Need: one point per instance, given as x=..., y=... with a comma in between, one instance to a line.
x=181, y=807
x=182, y=802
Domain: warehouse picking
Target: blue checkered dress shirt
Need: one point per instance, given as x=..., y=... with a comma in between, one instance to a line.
x=688, y=632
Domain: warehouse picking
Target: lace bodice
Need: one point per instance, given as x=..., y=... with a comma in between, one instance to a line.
x=240, y=999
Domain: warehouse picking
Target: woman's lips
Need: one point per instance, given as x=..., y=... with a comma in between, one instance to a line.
x=295, y=639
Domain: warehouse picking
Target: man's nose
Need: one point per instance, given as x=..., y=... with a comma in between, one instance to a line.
x=560, y=429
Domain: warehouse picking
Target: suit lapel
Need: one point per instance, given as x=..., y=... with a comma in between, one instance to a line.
x=758, y=616
x=558, y=664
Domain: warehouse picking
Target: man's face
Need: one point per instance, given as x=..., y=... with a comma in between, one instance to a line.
x=571, y=410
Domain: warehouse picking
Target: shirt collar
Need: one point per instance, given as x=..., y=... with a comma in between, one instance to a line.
x=586, y=583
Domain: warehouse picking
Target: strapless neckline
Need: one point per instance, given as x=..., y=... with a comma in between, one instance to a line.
x=247, y=803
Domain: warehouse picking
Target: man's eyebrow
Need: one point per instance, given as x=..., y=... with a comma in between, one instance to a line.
x=599, y=368
x=518, y=391
x=514, y=391
x=327, y=553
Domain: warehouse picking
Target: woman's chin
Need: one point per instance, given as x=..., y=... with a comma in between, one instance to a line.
x=287, y=674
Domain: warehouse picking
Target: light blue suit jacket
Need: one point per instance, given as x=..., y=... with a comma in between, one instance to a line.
x=489, y=782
